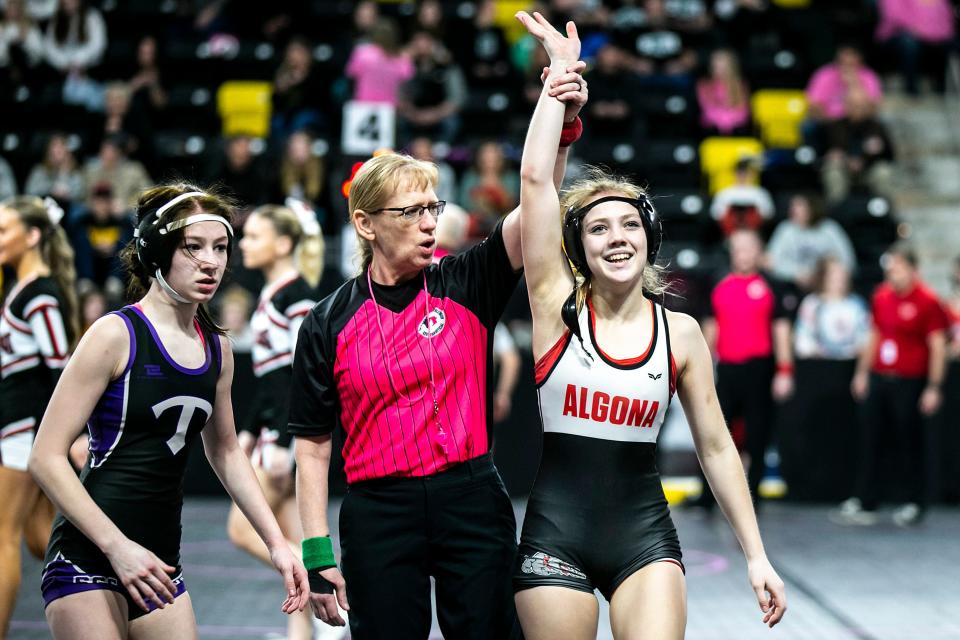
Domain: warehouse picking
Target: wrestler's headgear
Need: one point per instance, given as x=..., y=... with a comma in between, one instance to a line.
x=156, y=242
x=573, y=245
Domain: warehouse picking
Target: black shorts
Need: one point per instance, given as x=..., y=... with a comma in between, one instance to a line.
x=591, y=545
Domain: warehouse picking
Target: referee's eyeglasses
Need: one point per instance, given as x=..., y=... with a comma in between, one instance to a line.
x=415, y=211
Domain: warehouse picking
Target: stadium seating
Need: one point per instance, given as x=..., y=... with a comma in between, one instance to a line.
x=778, y=114
x=244, y=107
x=719, y=155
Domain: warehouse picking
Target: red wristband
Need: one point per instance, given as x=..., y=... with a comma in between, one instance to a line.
x=786, y=367
x=571, y=132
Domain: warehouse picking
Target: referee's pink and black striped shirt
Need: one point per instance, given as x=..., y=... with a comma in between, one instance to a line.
x=377, y=385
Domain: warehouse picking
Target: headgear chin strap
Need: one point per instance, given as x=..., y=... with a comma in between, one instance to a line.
x=573, y=247
x=154, y=242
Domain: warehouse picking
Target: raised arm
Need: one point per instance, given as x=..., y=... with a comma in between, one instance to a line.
x=100, y=358
x=549, y=279
x=235, y=473
x=720, y=460
x=571, y=89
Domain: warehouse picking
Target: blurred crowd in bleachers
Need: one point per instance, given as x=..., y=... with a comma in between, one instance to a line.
x=757, y=113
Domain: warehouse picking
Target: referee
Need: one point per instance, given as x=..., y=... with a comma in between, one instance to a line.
x=400, y=357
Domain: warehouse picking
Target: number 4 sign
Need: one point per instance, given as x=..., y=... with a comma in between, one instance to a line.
x=367, y=126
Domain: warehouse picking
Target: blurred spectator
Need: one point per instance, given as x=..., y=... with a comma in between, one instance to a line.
x=76, y=37
x=298, y=89
x=93, y=305
x=832, y=322
x=380, y=66
x=661, y=48
x=611, y=111
x=21, y=45
x=486, y=52
x=828, y=88
x=236, y=307
x=744, y=204
x=953, y=310
x=430, y=102
x=806, y=237
x=919, y=33
x=507, y=363
x=453, y=230
x=724, y=96
x=366, y=13
x=490, y=188
x=241, y=173
x=899, y=380
x=97, y=235
x=301, y=172
x=8, y=184
x=39, y=10
x=57, y=175
x=831, y=330
x=430, y=19
x=748, y=329
x=127, y=178
x=422, y=149
x=859, y=151
x=146, y=86
x=132, y=125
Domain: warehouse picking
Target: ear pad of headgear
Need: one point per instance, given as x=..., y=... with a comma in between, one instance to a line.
x=152, y=250
x=573, y=242
x=653, y=226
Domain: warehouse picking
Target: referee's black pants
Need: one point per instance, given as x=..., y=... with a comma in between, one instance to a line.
x=457, y=526
x=892, y=409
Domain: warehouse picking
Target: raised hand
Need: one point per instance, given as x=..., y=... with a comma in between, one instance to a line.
x=569, y=88
x=560, y=48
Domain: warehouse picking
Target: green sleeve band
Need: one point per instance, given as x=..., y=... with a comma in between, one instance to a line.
x=318, y=553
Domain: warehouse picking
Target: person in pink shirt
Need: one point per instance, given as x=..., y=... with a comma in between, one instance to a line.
x=380, y=66
x=724, y=96
x=828, y=88
x=918, y=32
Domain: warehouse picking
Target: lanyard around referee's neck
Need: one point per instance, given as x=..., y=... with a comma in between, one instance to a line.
x=441, y=437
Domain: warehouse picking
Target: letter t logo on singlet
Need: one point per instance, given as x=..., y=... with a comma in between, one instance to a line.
x=187, y=404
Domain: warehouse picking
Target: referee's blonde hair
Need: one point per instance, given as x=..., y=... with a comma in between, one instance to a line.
x=378, y=179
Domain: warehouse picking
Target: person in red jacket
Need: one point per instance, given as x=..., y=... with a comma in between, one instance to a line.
x=899, y=379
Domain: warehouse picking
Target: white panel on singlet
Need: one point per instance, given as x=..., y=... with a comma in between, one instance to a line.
x=596, y=399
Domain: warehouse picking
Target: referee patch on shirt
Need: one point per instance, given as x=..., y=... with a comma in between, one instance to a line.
x=433, y=324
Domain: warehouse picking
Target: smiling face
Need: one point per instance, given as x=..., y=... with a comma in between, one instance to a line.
x=197, y=267
x=401, y=246
x=614, y=241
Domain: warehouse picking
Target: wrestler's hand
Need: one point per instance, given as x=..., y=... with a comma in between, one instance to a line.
x=294, y=578
x=569, y=88
x=559, y=48
x=325, y=604
x=771, y=594
x=142, y=574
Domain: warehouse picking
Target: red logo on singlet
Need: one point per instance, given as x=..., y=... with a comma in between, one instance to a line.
x=5, y=344
x=598, y=406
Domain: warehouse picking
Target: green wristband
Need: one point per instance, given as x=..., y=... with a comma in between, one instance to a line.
x=318, y=553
